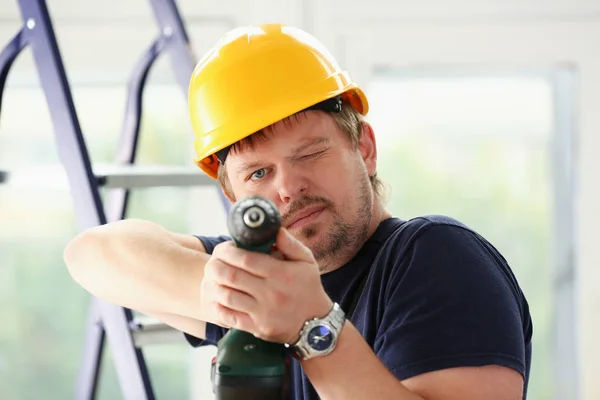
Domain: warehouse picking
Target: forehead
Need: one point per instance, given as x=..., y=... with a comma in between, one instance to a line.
x=296, y=130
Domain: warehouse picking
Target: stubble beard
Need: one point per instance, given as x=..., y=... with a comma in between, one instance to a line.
x=345, y=237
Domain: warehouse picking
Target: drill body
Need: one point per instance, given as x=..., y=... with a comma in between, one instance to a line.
x=247, y=367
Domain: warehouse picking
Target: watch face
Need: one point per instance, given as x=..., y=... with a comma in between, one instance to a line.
x=320, y=338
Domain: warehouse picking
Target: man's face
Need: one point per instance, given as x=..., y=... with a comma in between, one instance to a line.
x=309, y=169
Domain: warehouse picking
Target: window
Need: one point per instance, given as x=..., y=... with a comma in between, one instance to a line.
x=483, y=149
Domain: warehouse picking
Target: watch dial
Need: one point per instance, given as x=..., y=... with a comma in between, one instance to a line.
x=320, y=338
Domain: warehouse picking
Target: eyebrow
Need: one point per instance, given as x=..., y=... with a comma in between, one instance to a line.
x=308, y=143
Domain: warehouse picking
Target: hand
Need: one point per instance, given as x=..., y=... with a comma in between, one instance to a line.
x=268, y=296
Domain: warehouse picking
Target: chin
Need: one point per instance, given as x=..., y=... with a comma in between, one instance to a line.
x=308, y=233
x=312, y=236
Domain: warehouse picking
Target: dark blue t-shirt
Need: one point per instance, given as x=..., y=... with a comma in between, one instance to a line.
x=437, y=295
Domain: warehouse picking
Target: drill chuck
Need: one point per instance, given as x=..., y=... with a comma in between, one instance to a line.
x=254, y=217
x=253, y=223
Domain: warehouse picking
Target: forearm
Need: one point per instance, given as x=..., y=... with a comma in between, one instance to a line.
x=353, y=371
x=138, y=264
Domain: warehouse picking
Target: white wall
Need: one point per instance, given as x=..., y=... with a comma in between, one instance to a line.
x=362, y=34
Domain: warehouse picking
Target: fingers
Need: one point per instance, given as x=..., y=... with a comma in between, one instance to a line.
x=226, y=306
x=233, y=277
x=228, y=318
x=292, y=248
x=255, y=263
x=235, y=300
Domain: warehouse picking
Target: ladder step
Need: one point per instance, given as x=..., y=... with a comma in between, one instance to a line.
x=138, y=176
x=147, y=331
x=110, y=176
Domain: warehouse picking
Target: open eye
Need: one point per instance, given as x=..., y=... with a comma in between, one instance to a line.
x=258, y=174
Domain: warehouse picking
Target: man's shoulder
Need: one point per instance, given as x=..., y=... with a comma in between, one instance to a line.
x=440, y=242
x=423, y=227
x=428, y=221
x=435, y=239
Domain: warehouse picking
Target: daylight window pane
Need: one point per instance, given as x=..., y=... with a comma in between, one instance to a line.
x=476, y=149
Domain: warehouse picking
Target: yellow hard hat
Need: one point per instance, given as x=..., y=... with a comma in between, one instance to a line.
x=258, y=75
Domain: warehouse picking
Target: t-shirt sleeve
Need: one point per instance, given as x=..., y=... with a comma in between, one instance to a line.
x=451, y=302
x=214, y=333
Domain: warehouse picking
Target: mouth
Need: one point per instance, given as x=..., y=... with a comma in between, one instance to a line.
x=306, y=216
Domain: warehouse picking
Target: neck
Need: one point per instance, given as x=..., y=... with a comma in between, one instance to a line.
x=378, y=214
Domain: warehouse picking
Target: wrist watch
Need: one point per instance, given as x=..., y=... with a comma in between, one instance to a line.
x=319, y=336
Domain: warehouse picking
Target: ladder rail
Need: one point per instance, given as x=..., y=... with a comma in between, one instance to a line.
x=116, y=202
x=8, y=55
x=174, y=40
x=70, y=142
x=172, y=26
x=183, y=59
x=117, y=199
x=72, y=152
x=88, y=376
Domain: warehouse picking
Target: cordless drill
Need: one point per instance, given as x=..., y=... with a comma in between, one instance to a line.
x=247, y=367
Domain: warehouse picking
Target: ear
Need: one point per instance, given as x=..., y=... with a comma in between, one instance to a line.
x=227, y=194
x=226, y=187
x=368, y=148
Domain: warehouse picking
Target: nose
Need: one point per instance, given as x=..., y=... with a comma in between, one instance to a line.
x=291, y=183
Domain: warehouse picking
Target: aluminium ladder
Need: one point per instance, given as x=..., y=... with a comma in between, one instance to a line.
x=125, y=335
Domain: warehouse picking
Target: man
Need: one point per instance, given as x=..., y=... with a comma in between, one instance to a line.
x=421, y=309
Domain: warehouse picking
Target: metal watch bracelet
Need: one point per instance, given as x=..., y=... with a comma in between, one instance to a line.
x=334, y=321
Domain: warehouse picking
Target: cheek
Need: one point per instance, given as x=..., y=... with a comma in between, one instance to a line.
x=339, y=181
x=235, y=192
x=239, y=189
x=269, y=192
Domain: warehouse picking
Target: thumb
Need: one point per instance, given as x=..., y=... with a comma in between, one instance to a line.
x=291, y=248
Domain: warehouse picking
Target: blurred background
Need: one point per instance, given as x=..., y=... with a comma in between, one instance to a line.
x=487, y=111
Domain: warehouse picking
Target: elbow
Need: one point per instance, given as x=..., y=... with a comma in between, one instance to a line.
x=81, y=254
